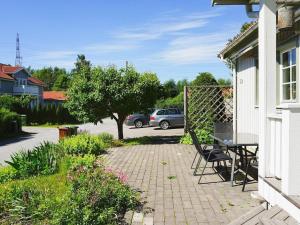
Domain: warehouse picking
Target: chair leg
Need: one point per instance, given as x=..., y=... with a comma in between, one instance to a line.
x=245, y=179
x=197, y=166
x=202, y=172
x=194, y=160
x=225, y=167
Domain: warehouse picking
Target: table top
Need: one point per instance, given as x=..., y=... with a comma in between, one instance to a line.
x=242, y=139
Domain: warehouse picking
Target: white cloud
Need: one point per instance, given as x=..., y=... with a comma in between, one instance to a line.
x=168, y=25
x=192, y=49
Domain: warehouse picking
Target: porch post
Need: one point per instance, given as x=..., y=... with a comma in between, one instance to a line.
x=267, y=78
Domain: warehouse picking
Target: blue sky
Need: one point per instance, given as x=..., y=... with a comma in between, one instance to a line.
x=174, y=38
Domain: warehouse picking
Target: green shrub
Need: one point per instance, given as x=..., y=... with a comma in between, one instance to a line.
x=177, y=102
x=33, y=200
x=84, y=195
x=107, y=138
x=202, y=134
x=43, y=159
x=83, y=144
x=72, y=161
x=7, y=173
x=97, y=197
x=8, y=122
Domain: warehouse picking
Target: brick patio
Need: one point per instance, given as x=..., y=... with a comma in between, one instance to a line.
x=170, y=191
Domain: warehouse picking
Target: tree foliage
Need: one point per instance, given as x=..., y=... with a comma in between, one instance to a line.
x=204, y=78
x=224, y=82
x=55, y=78
x=96, y=93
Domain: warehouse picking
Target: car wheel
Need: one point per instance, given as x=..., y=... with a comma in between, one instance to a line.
x=164, y=125
x=138, y=124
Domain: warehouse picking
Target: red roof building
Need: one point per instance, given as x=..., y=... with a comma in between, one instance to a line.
x=16, y=80
x=54, y=96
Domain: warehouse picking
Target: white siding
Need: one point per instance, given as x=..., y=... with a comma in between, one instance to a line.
x=247, y=114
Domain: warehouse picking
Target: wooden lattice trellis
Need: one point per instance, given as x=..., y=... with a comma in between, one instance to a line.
x=206, y=105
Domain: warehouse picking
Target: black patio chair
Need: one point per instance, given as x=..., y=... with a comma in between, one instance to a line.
x=206, y=148
x=253, y=163
x=212, y=155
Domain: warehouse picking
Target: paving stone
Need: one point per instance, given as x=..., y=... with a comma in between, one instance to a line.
x=148, y=221
x=137, y=217
x=180, y=200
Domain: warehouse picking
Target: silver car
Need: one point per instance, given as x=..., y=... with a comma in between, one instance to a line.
x=166, y=118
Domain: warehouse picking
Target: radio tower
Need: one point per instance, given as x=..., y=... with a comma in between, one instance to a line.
x=18, y=61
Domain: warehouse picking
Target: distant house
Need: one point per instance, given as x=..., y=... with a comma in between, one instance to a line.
x=54, y=97
x=16, y=80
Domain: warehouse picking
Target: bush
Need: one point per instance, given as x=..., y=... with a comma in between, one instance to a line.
x=83, y=144
x=32, y=201
x=10, y=122
x=97, y=197
x=202, y=134
x=72, y=162
x=7, y=173
x=84, y=195
x=107, y=138
x=176, y=102
x=43, y=159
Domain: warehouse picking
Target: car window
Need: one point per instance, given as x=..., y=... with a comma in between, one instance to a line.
x=172, y=111
x=160, y=112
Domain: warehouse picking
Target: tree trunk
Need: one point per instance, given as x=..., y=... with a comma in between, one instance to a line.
x=120, y=129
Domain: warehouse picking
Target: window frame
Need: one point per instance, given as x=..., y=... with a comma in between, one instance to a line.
x=291, y=82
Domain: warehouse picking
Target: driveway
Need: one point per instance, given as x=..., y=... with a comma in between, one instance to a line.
x=37, y=135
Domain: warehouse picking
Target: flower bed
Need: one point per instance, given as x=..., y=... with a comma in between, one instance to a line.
x=76, y=189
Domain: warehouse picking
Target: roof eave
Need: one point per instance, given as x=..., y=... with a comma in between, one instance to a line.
x=224, y=53
x=234, y=2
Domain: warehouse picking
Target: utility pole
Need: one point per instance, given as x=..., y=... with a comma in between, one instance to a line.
x=18, y=61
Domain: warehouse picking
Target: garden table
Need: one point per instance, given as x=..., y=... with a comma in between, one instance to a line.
x=237, y=146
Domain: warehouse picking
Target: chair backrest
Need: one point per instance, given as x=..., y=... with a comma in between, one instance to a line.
x=196, y=142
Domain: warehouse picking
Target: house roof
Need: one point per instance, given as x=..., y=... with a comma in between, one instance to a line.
x=10, y=69
x=7, y=71
x=54, y=95
x=36, y=81
x=234, y=2
x=5, y=76
x=243, y=38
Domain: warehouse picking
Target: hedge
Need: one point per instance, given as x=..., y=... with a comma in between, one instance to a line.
x=10, y=122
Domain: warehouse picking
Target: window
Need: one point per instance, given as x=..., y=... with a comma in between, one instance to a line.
x=172, y=112
x=288, y=75
x=161, y=112
x=21, y=82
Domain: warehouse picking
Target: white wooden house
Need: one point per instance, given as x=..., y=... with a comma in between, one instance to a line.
x=266, y=63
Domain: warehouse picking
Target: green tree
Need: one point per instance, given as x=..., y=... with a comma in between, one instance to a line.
x=80, y=63
x=110, y=92
x=204, y=78
x=224, y=82
x=181, y=83
x=61, y=83
x=50, y=75
x=170, y=89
